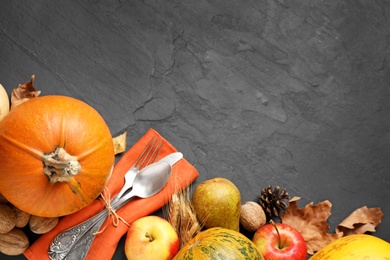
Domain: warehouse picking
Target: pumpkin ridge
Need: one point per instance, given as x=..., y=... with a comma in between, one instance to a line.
x=28, y=149
x=91, y=150
x=62, y=137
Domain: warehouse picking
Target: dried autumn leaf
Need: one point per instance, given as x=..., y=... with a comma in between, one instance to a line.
x=360, y=221
x=311, y=222
x=119, y=143
x=23, y=93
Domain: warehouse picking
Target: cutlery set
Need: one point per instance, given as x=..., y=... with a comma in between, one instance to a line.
x=144, y=179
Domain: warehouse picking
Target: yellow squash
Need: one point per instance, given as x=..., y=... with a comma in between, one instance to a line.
x=4, y=102
x=356, y=247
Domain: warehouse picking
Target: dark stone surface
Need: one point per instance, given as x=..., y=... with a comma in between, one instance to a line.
x=289, y=93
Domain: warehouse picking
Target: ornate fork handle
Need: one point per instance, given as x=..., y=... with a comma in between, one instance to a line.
x=80, y=237
x=66, y=241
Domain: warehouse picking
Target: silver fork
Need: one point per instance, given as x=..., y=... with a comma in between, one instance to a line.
x=64, y=243
x=147, y=156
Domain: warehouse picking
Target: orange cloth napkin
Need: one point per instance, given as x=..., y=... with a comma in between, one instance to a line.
x=105, y=243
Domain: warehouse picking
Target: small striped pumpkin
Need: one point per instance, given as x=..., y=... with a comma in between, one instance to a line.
x=219, y=243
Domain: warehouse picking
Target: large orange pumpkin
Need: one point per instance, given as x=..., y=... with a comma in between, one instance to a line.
x=56, y=155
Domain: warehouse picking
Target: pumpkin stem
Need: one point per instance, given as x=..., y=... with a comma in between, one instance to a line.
x=59, y=166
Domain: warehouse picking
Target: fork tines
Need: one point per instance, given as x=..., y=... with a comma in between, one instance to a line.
x=150, y=153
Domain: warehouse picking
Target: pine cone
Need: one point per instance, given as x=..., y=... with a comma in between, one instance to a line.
x=273, y=201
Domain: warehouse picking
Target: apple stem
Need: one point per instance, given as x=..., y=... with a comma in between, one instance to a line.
x=277, y=231
x=149, y=236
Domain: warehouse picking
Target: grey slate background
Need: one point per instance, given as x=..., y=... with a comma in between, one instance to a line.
x=289, y=93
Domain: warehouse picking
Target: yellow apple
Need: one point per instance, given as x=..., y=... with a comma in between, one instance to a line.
x=151, y=237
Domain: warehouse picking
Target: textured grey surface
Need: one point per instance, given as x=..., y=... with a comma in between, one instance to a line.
x=289, y=93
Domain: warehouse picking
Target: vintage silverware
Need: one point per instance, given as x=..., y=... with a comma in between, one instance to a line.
x=148, y=155
x=74, y=243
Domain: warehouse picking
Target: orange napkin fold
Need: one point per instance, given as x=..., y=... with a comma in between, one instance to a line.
x=105, y=243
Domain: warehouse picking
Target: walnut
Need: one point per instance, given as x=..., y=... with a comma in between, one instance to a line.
x=15, y=242
x=22, y=217
x=7, y=218
x=252, y=216
x=42, y=225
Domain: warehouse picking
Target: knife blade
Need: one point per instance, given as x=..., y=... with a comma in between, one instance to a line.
x=172, y=158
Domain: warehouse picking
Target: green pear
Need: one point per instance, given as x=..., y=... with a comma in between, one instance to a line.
x=217, y=202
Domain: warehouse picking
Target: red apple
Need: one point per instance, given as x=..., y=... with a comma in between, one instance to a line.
x=151, y=237
x=277, y=241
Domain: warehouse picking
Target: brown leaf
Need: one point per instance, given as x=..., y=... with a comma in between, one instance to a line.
x=360, y=221
x=311, y=222
x=119, y=143
x=23, y=93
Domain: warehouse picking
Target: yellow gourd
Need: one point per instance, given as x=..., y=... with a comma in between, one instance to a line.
x=355, y=247
x=4, y=102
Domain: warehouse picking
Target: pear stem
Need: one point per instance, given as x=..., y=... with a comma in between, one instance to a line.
x=277, y=231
